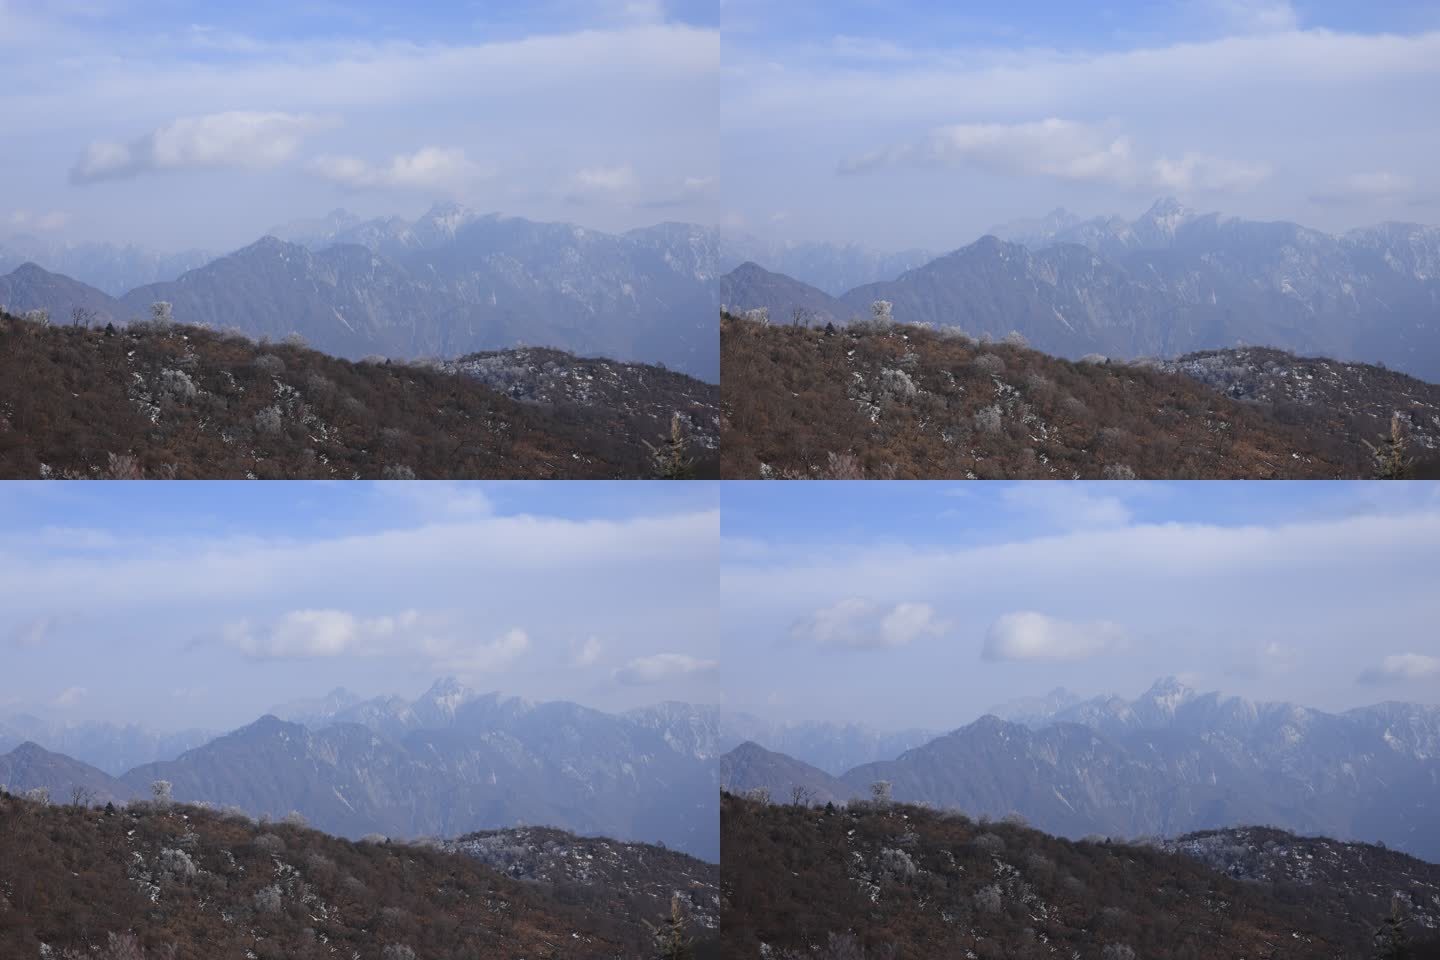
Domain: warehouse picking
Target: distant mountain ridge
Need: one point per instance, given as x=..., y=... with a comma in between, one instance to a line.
x=451, y=282
x=1169, y=762
x=448, y=762
x=113, y=748
x=1170, y=282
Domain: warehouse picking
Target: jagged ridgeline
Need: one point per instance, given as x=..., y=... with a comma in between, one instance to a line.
x=878, y=879
x=879, y=399
x=155, y=880
x=161, y=399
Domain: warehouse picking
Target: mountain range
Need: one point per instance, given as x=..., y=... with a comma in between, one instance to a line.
x=1170, y=282
x=1168, y=762
x=111, y=268
x=447, y=763
x=448, y=283
x=113, y=748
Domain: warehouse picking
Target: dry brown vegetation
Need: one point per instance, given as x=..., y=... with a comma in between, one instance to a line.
x=896, y=882
x=890, y=400
x=176, y=401
x=183, y=883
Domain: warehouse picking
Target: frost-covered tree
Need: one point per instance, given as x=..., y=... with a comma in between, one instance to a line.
x=759, y=794
x=1016, y=339
x=760, y=315
x=160, y=792
x=295, y=819
x=989, y=900
x=269, y=900
x=40, y=317
x=988, y=420
x=39, y=795
x=880, y=791
x=1117, y=951
x=269, y=422
x=397, y=951
x=161, y=313
x=881, y=312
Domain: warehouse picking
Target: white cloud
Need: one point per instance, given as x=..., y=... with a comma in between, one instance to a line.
x=321, y=633
x=70, y=696
x=586, y=653
x=1401, y=668
x=1027, y=635
x=855, y=623
x=608, y=179
x=429, y=168
x=662, y=666
x=238, y=138
x=471, y=659
x=1064, y=150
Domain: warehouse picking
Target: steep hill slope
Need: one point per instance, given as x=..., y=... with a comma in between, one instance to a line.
x=185, y=402
x=902, y=882
x=187, y=883
x=903, y=401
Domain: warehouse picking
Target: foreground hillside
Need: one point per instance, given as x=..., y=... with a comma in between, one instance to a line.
x=162, y=881
x=179, y=401
x=889, y=400
x=893, y=881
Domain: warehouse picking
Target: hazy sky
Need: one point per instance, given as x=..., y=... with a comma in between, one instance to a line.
x=176, y=123
x=205, y=604
x=925, y=123
x=918, y=603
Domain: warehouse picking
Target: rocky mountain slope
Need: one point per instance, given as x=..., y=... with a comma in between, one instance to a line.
x=176, y=400
x=173, y=881
x=896, y=881
x=898, y=400
x=1170, y=762
x=450, y=283
x=1168, y=283
x=445, y=763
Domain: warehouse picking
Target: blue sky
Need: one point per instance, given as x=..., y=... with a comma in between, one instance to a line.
x=178, y=124
x=926, y=123
x=924, y=604
x=197, y=604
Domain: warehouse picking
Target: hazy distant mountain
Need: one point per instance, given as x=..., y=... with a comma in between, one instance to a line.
x=1172, y=282
x=1036, y=711
x=453, y=761
x=111, y=747
x=832, y=747
x=751, y=285
x=751, y=767
x=450, y=283
x=31, y=287
x=109, y=267
x=31, y=767
x=832, y=268
x=1173, y=761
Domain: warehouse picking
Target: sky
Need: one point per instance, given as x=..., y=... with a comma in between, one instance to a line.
x=923, y=124
x=202, y=605
x=924, y=604
x=177, y=124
